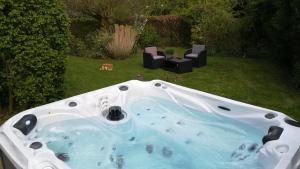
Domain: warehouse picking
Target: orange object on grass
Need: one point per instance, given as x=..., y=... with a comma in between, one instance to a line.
x=106, y=66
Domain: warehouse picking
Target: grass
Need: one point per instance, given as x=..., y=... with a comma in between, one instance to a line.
x=253, y=81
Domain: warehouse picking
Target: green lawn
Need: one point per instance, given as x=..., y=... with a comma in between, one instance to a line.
x=253, y=81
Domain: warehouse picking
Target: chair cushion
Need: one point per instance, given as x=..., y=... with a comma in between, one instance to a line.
x=158, y=57
x=198, y=48
x=192, y=55
x=152, y=50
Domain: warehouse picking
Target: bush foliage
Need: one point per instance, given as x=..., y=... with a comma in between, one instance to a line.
x=93, y=45
x=276, y=29
x=169, y=51
x=172, y=30
x=98, y=42
x=34, y=38
x=217, y=27
x=107, y=12
x=148, y=37
x=77, y=46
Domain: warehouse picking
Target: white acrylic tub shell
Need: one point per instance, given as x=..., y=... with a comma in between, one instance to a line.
x=283, y=153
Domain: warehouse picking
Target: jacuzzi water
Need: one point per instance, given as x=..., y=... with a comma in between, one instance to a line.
x=149, y=125
x=160, y=135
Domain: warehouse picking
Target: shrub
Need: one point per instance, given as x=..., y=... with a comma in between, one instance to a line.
x=34, y=38
x=107, y=12
x=296, y=74
x=274, y=27
x=77, y=46
x=2, y=85
x=94, y=45
x=149, y=37
x=169, y=51
x=84, y=31
x=217, y=27
x=82, y=25
x=97, y=43
x=172, y=30
x=122, y=43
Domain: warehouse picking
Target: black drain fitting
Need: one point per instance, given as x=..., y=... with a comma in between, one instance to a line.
x=115, y=113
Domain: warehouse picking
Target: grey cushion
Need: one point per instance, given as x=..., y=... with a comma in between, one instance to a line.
x=158, y=57
x=192, y=55
x=198, y=48
x=152, y=50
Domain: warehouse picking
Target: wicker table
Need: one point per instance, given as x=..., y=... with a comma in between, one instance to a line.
x=178, y=65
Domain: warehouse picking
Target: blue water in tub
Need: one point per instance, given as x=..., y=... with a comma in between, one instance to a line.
x=159, y=134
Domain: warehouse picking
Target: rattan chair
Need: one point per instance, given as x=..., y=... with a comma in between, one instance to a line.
x=153, y=58
x=197, y=54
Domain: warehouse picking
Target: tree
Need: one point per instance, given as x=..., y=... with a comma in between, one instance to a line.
x=108, y=12
x=295, y=34
x=276, y=27
x=215, y=25
x=34, y=38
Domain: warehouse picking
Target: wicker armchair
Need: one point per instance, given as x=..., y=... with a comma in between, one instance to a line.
x=153, y=58
x=197, y=54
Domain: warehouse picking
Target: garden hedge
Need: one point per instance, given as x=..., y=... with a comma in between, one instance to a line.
x=34, y=39
x=173, y=30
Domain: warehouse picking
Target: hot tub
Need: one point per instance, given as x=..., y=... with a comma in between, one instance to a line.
x=147, y=125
